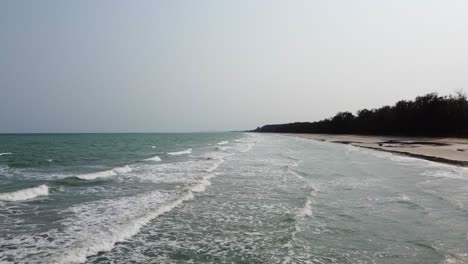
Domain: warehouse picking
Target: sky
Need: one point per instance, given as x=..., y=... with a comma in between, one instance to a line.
x=217, y=65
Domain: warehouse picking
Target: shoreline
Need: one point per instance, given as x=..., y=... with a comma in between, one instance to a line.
x=452, y=151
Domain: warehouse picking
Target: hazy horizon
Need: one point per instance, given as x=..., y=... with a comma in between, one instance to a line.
x=179, y=66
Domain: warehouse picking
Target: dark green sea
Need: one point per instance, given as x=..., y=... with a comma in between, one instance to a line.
x=224, y=198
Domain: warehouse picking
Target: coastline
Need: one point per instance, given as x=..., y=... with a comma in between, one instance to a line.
x=453, y=151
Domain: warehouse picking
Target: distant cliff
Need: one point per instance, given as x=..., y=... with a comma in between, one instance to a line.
x=428, y=115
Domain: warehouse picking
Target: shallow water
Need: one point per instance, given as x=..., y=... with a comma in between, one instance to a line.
x=224, y=198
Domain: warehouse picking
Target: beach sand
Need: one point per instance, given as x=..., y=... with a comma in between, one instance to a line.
x=445, y=150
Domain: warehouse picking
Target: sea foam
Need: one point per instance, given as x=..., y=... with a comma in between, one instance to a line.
x=223, y=142
x=187, y=151
x=453, y=173
x=5, y=153
x=248, y=148
x=25, y=194
x=120, y=220
x=93, y=227
x=215, y=165
x=201, y=186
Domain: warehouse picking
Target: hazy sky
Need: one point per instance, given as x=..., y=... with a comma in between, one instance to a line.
x=115, y=66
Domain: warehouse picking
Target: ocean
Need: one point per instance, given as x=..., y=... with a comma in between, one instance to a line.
x=224, y=198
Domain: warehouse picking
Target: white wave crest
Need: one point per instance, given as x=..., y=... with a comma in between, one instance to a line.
x=105, y=174
x=155, y=158
x=223, y=142
x=25, y=194
x=187, y=151
x=95, y=175
x=5, y=153
x=223, y=148
x=306, y=210
x=124, y=169
x=153, y=146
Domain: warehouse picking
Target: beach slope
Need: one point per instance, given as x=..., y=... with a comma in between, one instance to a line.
x=445, y=150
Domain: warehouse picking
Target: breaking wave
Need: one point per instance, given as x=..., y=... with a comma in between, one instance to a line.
x=111, y=221
x=105, y=174
x=306, y=210
x=223, y=148
x=25, y=194
x=89, y=228
x=155, y=158
x=187, y=151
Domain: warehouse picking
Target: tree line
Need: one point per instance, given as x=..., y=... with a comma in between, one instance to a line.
x=428, y=115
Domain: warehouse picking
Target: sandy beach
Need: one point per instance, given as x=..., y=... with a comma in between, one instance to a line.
x=445, y=150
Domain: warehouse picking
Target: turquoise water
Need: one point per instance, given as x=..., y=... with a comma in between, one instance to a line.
x=224, y=198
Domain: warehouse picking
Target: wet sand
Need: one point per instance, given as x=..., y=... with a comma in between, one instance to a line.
x=445, y=150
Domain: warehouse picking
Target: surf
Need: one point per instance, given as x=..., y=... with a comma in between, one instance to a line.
x=25, y=194
x=155, y=158
x=105, y=174
x=187, y=151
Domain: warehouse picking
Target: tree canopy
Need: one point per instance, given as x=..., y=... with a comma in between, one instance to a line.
x=427, y=115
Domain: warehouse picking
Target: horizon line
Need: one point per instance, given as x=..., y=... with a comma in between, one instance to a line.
x=187, y=132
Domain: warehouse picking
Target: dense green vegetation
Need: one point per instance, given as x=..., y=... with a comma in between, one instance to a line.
x=428, y=115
